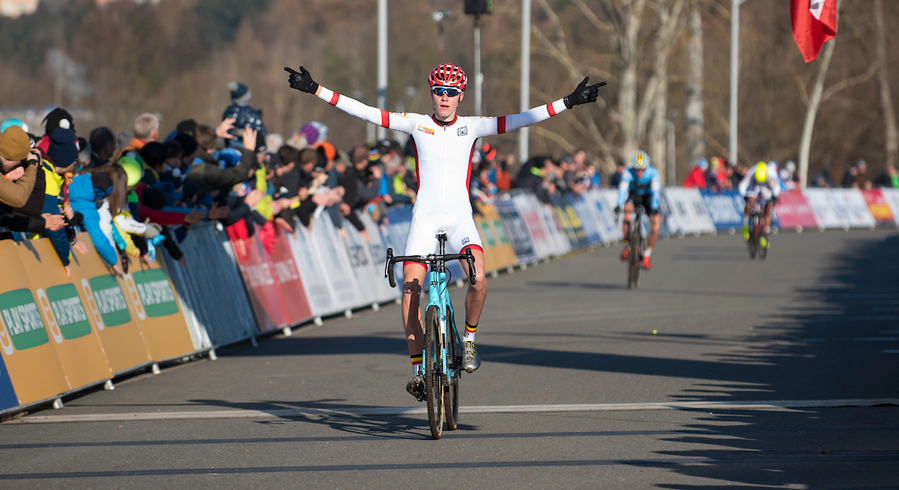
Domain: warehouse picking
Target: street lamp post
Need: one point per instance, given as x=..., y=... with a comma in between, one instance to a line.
x=525, y=94
x=439, y=16
x=734, y=75
x=382, y=62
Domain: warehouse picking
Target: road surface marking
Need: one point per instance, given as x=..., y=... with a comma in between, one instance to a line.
x=387, y=411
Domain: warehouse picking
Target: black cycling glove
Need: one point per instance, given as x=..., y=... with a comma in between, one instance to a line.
x=583, y=94
x=302, y=80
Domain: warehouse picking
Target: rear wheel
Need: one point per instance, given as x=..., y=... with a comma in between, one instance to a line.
x=454, y=357
x=433, y=377
x=762, y=233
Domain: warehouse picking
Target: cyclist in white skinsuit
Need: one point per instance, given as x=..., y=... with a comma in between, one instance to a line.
x=444, y=143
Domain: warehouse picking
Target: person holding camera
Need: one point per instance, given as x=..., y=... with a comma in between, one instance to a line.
x=22, y=186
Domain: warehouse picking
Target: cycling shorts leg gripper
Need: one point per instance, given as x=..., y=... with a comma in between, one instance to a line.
x=422, y=264
x=472, y=247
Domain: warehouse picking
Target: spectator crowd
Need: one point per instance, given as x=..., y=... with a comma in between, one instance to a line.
x=137, y=190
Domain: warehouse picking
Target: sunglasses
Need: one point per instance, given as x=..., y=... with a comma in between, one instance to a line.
x=450, y=92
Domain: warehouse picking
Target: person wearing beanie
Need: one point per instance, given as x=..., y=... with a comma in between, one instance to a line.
x=18, y=180
x=240, y=110
x=13, y=122
x=57, y=118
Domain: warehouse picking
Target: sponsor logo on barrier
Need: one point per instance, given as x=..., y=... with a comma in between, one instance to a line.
x=108, y=301
x=357, y=255
x=487, y=234
x=500, y=232
x=23, y=327
x=257, y=275
x=286, y=270
x=155, y=293
x=67, y=311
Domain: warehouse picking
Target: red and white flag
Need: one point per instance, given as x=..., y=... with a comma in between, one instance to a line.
x=814, y=23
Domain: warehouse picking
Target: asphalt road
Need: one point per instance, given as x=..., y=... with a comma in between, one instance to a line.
x=719, y=371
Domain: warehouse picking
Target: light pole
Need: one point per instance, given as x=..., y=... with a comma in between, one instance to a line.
x=382, y=62
x=734, y=75
x=525, y=96
x=439, y=16
x=478, y=77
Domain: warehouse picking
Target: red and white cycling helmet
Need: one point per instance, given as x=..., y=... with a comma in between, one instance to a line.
x=448, y=75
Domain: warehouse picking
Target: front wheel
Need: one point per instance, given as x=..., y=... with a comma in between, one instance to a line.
x=433, y=373
x=634, y=256
x=753, y=236
x=451, y=394
x=763, y=233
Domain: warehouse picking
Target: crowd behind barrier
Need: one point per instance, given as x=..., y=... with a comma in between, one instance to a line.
x=60, y=335
x=124, y=251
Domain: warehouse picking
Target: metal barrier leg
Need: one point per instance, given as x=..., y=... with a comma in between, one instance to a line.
x=108, y=386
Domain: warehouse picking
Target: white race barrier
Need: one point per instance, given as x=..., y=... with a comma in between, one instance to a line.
x=892, y=198
x=685, y=212
x=319, y=292
x=341, y=278
x=362, y=263
x=609, y=229
x=378, y=251
x=851, y=204
x=528, y=207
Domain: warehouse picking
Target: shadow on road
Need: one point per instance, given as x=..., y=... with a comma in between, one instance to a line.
x=828, y=344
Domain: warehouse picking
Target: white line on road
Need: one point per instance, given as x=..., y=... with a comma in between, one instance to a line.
x=387, y=411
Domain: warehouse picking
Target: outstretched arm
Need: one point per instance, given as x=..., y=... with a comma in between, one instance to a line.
x=302, y=81
x=582, y=94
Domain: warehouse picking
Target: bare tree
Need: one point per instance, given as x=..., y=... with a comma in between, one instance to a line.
x=886, y=100
x=620, y=22
x=693, y=111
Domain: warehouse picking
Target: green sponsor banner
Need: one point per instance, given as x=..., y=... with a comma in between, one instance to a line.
x=155, y=292
x=22, y=319
x=500, y=232
x=110, y=300
x=68, y=311
x=488, y=235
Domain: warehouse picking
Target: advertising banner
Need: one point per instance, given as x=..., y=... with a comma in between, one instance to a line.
x=725, y=209
x=606, y=201
x=7, y=393
x=218, y=315
x=379, y=256
x=793, y=211
x=561, y=244
x=30, y=359
x=116, y=321
x=262, y=287
x=879, y=207
x=568, y=221
x=73, y=333
x=589, y=217
x=684, y=211
x=288, y=276
x=891, y=196
x=158, y=311
x=318, y=290
x=851, y=204
x=518, y=232
x=325, y=244
x=362, y=265
x=498, y=251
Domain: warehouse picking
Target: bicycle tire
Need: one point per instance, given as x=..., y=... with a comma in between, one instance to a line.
x=763, y=251
x=634, y=255
x=433, y=377
x=451, y=393
x=753, y=236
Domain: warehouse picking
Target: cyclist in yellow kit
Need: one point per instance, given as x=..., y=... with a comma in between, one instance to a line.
x=443, y=144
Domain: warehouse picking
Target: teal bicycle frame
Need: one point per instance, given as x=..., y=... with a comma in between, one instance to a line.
x=442, y=356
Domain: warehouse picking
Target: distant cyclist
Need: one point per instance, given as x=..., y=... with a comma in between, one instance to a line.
x=443, y=144
x=640, y=185
x=762, y=185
